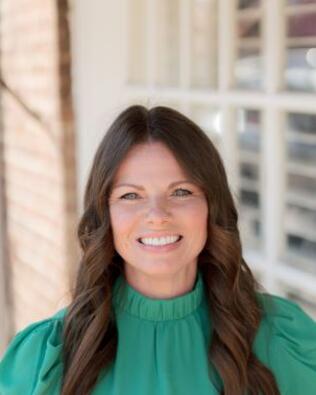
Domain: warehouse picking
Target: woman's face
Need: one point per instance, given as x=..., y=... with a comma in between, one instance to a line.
x=156, y=208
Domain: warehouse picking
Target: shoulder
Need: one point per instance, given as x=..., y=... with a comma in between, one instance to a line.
x=287, y=343
x=286, y=317
x=32, y=361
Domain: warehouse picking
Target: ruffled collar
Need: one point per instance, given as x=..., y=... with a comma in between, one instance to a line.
x=128, y=299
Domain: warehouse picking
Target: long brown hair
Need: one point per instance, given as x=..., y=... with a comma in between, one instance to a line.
x=90, y=334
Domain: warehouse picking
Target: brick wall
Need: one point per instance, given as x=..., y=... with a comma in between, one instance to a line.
x=39, y=156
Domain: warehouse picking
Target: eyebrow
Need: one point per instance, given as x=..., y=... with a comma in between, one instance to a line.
x=142, y=188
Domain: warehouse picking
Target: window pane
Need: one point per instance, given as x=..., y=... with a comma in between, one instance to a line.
x=203, y=43
x=167, y=58
x=301, y=1
x=301, y=25
x=248, y=3
x=209, y=119
x=301, y=140
x=249, y=139
x=248, y=65
x=300, y=72
x=300, y=208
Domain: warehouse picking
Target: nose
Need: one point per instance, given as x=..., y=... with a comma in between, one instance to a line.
x=157, y=212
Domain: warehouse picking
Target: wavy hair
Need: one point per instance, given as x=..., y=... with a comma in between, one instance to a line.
x=90, y=335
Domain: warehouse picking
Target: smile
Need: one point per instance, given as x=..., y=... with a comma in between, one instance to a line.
x=160, y=241
x=160, y=247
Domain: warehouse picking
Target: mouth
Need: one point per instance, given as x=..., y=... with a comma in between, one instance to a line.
x=180, y=238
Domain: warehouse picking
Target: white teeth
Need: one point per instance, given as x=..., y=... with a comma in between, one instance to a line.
x=160, y=241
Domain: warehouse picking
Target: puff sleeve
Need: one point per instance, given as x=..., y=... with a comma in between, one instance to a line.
x=292, y=349
x=32, y=363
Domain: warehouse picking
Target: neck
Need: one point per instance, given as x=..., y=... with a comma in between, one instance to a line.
x=164, y=286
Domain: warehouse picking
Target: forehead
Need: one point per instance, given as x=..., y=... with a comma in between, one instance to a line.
x=149, y=160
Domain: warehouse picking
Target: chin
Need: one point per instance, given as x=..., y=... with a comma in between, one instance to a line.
x=159, y=268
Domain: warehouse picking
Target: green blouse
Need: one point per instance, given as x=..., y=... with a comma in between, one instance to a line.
x=162, y=348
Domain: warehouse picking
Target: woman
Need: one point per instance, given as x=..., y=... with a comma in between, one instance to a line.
x=164, y=302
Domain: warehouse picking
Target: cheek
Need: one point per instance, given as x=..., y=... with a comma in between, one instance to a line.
x=196, y=218
x=201, y=225
x=198, y=211
x=122, y=220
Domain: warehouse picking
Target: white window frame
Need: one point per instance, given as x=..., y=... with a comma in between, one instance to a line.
x=273, y=104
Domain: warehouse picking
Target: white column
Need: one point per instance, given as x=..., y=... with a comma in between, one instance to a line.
x=98, y=69
x=226, y=58
x=274, y=160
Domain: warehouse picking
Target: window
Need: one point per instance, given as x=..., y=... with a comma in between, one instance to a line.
x=300, y=197
x=248, y=64
x=300, y=72
x=203, y=36
x=245, y=71
x=249, y=145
